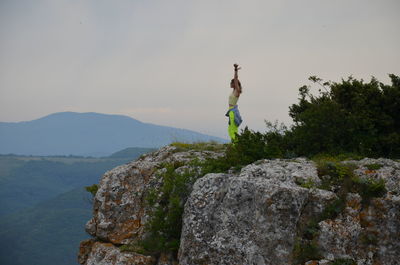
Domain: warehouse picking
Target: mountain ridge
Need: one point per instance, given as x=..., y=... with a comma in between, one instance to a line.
x=88, y=134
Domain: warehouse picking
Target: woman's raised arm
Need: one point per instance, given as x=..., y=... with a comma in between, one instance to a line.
x=237, y=87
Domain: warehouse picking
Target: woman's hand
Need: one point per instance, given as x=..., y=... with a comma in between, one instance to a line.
x=236, y=67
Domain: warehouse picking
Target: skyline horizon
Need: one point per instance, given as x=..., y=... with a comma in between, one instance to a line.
x=224, y=136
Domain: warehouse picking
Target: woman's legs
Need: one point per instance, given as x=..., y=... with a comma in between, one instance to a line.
x=232, y=128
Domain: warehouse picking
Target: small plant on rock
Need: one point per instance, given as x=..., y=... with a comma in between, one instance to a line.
x=373, y=166
x=92, y=189
x=166, y=204
x=304, y=251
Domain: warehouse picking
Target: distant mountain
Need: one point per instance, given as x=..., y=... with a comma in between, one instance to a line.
x=88, y=134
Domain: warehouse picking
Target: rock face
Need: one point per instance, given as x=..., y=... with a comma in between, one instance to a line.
x=120, y=211
x=107, y=253
x=250, y=218
x=254, y=216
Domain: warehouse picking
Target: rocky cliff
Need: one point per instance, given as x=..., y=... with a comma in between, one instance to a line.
x=269, y=212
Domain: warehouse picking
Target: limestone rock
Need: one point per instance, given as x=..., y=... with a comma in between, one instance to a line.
x=254, y=217
x=119, y=205
x=389, y=171
x=84, y=250
x=107, y=253
x=250, y=218
x=370, y=235
x=120, y=211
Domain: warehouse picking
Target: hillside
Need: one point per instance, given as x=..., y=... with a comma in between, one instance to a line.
x=44, y=204
x=26, y=181
x=47, y=233
x=88, y=134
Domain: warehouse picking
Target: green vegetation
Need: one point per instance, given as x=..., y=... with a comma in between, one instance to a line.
x=334, y=174
x=166, y=204
x=338, y=177
x=199, y=146
x=305, y=247
x=92, y=189
x=347, y=117
x=31, y=180
x=351, y=117
x=305, y=251
x=369, y=188
x=48, y=233
x=308, y=183
x=44, y=206
x=348, y=120
x=373, y=166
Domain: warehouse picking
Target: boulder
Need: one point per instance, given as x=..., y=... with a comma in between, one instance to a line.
x=256, y=216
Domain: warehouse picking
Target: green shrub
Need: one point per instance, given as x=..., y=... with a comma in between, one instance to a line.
x=92, y=189
x=341, y=175
x=304, y=251
x=308, y=183
x=311, y=230
x=166, y=204
x=332, y=210
x=349, y=116
x=251, y=146
x=373, y=166
x=335, y=174
x=369, y=188
x=132, y=248
x=199, y=146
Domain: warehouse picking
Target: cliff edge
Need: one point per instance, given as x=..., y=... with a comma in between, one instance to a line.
x=269, y=212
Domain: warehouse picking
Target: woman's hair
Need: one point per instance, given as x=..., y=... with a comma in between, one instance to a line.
x=233, y=81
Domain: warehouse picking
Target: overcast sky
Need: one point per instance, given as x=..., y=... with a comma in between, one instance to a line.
x=170, y=62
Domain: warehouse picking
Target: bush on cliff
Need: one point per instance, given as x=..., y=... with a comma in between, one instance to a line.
x=166, y=204
x=347, y=117
x=350, y=116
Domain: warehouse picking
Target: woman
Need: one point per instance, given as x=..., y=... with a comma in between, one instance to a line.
x=233, y=112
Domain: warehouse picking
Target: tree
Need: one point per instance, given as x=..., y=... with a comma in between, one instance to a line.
x=351, y=116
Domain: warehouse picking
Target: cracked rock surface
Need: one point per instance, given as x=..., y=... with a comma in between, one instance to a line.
x=254, y=217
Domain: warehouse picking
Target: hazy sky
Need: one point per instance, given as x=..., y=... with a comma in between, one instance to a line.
x=170, y=62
